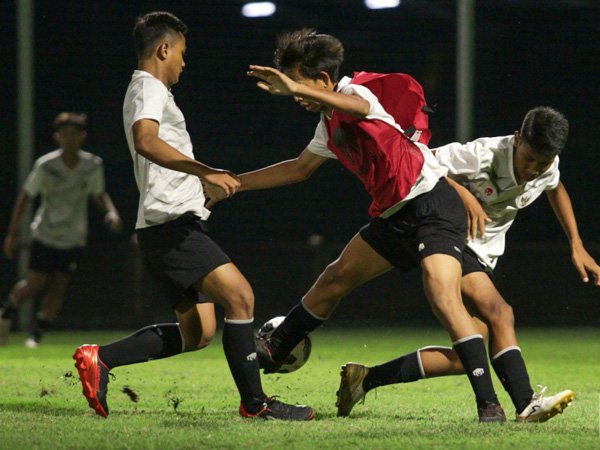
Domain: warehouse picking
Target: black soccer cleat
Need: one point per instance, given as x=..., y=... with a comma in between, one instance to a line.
x=265, y=355
x=273, y=409
x=491, y=412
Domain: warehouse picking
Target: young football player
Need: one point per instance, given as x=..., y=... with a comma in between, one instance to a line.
x=65, y=180
x=496, y=177
x=418, y=218
x=173, y=236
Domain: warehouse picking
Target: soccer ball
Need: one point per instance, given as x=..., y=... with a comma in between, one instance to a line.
x=298, y=356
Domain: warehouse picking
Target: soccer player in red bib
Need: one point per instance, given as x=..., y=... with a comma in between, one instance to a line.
x=418, y=219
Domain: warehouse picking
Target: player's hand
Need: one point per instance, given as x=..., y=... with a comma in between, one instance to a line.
x=113, y=221
x=214, y=194
x=11, y=243
x=272, y=80
x=584, y=263
x=228, y=181
x=476, y=216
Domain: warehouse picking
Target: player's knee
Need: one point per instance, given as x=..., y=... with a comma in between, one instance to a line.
x=499, y=314
x=506, y=315
x=242, y=300
x=335, y=279
x=447, y=306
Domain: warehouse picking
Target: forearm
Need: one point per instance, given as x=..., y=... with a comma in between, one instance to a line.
x=18, y=211
x=563, y=209
x=105, y=204
x=279, y=174
x=159, y=152
x=462, y=191
x=348, y=104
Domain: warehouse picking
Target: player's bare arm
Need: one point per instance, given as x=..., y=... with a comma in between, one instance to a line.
x=277, y=83
x=112, y=219
x=476, y=216
x=150, y=146
x=279, y=174
x=563, y=209
x=284, y=172
x=11, y=242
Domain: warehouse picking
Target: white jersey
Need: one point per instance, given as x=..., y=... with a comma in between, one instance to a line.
x=61, y=221
x=485, y=167
x=431, y=171
x=164, y=194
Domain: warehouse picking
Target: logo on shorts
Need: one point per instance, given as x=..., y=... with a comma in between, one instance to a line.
x=457, y=249
x=478, y=372
x=251, y=357
x=421, y=247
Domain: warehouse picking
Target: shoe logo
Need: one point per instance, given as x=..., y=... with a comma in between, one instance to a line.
x=251, y=357
x=421, y=247
x=534, y=408
x=478, y=372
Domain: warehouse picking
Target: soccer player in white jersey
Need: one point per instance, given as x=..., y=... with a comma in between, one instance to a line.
x=173, y=237
x=496, y=177
x=418, y=219
x=64, y=180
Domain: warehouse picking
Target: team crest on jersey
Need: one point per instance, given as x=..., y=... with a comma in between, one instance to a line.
x=524, y=199
x=488, y=191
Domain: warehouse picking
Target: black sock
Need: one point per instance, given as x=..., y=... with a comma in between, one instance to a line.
x=297, y=324
x=240, y=351
x=512, y=372
x=152, y=342
x=473, y=356
x=40, y=326
x=401, y=370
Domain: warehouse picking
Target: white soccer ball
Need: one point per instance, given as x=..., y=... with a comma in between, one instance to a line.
x=298, y=356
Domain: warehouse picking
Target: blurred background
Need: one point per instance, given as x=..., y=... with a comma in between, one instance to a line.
x=526, y=53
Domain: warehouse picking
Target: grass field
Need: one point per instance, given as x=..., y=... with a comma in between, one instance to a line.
x=190, y=401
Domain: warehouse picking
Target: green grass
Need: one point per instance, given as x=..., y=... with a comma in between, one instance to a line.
x=190, y=401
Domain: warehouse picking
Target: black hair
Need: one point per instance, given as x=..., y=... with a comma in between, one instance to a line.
x=74, y=119
x=310, y=53
x=152, y=27
x=545, y=130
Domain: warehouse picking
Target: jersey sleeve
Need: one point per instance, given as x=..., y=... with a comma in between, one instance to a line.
x=464, y=159
x=364, y=93
x=96, y=179
x=33, y=184
x=318, y=144
x=553, y=176
x=149, y=100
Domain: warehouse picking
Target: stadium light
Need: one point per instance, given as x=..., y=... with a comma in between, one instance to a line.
x=381, y=4
x=258, y=9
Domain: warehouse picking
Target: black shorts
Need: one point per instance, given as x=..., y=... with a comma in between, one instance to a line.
x=471, y=264
x=177, y=254
x=45, y=259
x=435, y=222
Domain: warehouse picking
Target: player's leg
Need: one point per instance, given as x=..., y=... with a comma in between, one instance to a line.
x=229, y=288
x=428, y=362
x=29, y=287
x=505, y=353
x=357, y=264
x=52, y=299
x=153, y=342
x=441, y=280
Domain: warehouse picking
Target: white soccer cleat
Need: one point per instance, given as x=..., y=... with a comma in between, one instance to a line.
x=31, y=343
x=4, y=330
x=543, y=408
